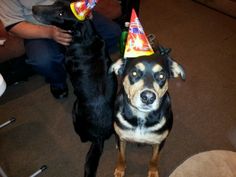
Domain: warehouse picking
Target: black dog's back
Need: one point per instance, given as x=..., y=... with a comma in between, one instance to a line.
x=94, y=88
x=87, y=63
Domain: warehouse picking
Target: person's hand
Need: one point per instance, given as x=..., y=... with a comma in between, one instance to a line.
x=61, y=36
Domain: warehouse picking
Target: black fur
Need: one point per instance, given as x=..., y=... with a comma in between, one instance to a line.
x=87, y=63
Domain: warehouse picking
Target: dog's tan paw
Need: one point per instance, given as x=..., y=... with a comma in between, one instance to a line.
x=153, y=174
x=119, y=173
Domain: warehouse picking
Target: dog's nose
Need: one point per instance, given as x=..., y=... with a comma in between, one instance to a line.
x=148, y=97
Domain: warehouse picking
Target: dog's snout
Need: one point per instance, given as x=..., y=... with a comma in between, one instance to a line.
x=148, y=97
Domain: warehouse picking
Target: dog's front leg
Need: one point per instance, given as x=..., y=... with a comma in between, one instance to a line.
x=120, y=166
x=153, y=172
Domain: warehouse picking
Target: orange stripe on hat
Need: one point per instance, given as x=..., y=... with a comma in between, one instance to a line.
x=137, y=43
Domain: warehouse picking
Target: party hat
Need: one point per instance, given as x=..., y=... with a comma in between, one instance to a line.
x=137, y=43
x=81, y=9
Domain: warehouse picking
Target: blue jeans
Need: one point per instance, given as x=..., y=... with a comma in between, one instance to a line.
x=47, y=57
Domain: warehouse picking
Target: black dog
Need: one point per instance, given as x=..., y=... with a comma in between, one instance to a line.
x=88, y=65
x=143, y=107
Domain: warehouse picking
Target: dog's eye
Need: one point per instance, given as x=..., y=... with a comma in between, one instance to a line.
x=60, y=13
x=160, y=76
x=135, y=75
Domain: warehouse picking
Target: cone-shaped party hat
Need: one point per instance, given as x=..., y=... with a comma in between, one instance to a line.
x=137, y=43
x=81, y=9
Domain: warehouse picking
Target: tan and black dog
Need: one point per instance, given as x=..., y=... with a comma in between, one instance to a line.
x=143, y=106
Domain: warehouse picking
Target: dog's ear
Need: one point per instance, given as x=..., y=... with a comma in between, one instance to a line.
x=118, y=67
x=176, y=69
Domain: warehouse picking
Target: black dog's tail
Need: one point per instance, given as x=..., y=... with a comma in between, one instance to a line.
x=92, y=158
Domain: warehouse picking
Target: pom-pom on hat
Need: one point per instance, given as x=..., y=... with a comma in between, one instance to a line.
x=81, y=9
x=137, y=43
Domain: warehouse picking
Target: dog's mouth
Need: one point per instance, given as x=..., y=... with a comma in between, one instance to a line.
x=139, y=105
x=147, y=108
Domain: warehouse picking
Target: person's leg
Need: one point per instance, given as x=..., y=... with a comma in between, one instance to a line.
x=109, y=30
x=47, y=58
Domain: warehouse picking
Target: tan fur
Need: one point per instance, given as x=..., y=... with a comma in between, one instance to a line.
x=177, y=70
x=160, y=91
x=140, y=66
x=156, y=68
x=132, y=90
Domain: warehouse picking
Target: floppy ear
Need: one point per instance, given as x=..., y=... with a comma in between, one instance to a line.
x=118, y=67
x=176, y=69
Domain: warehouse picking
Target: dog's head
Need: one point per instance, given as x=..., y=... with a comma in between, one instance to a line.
x=58, y=14
x=145, y=79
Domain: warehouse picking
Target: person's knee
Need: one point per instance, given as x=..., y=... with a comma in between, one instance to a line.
x=40, y=62
x=43, y=52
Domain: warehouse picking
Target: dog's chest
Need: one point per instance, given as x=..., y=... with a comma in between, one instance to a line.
x=137, y=130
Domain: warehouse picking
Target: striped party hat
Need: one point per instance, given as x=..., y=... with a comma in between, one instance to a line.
x=137, y=43
x=81, y=9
